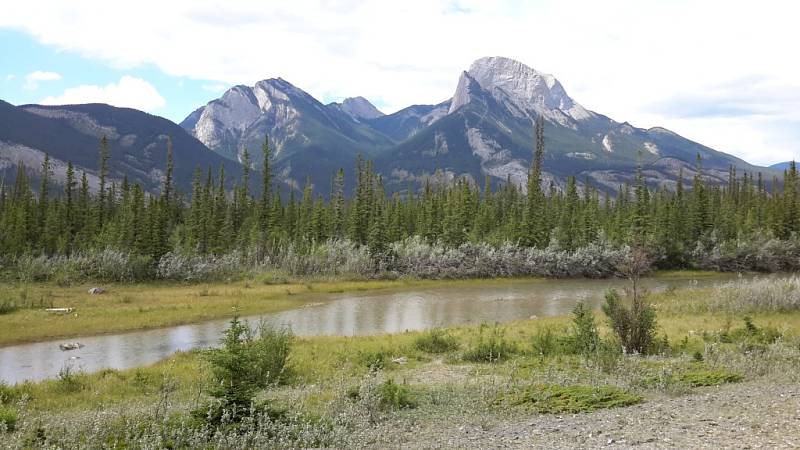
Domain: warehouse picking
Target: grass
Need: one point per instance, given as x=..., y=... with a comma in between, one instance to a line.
x=554, y=399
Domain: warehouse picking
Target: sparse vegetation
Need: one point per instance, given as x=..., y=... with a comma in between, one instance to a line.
x=436, y=340
x=491, y=346
x=395, y=396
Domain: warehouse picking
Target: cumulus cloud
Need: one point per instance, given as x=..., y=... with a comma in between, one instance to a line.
x=33, y=79
x=618, y=57
x=129, y=92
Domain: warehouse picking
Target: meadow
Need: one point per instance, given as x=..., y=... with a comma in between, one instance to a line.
x=390, y=389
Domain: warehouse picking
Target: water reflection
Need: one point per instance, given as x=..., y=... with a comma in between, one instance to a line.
x=337, y=314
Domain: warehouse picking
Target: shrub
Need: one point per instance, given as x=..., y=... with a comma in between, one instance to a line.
x=7, y=306
x=555, y=399
x=395, y=396
x=8, y=393
x=436, y=340
x=69, y=380
x=374, y=360
x=103, y=265
x=759, y=295
x=246, y=362
x=8, y=418
x=493, y=348
x=584, y=336
x=708, y=377
x=749, y=335
x=634, y=326
x=545, y=342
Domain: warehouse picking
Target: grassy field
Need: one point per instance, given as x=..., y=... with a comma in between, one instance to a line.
x=127, y=307
x=337, y=387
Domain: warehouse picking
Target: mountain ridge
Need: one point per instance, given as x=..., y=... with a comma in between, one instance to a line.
x=485, y=128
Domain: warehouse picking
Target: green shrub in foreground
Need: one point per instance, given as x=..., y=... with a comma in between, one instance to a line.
x=708, y=377
x=8, y=393
x=491, y=348
x=633, y=321
x=247, y=361
x=436, y=340
x=395, y=396
x=554, y=399
x=7, y=306
x=373, y=360
x=8, y=418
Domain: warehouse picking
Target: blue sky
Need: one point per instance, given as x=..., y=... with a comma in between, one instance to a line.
x=23, y=55
x=723, y=73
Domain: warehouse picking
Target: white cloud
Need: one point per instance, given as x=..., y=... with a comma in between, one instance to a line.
x=617, y=57
x=10, y=77
x=129, y=92
x=33, y=79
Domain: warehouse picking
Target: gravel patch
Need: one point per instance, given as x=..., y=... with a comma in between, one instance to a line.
x=747, y=415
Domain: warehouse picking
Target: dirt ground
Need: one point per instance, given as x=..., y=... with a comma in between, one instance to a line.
x=743, y=416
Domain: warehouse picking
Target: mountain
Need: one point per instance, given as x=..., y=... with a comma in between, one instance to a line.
x=358, y=108
x=485, y=128
x=408, y=121
x=781, y=165
x=137, y=142
x=308, y=139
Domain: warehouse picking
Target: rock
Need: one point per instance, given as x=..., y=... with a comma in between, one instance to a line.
x=97, y=291
x=70, y=346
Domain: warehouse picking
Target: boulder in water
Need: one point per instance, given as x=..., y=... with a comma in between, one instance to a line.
x=70, y=346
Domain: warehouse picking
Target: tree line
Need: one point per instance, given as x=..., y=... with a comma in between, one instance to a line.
x=63, y=218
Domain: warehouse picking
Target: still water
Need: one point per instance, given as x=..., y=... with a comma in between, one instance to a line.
x=386, y=311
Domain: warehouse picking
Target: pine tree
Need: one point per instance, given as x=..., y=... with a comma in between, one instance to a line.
x=99, y=218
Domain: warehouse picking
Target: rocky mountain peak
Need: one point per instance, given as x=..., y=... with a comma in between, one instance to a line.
x=360, y=108
x=465, y=91
x=525, y=89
